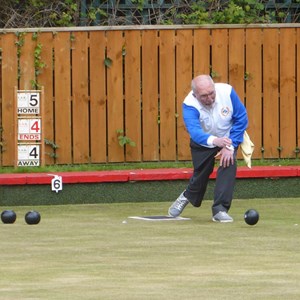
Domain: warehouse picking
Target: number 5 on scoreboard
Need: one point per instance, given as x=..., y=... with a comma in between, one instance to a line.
x=34, y=100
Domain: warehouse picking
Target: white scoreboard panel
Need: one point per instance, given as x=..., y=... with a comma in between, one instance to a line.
x=29, y=129
x=28, y=155
x=28, y=103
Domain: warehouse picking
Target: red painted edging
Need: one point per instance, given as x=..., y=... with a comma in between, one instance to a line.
x=67, y=177
x=141, y=175
x=242, y=172
x=160, y=174
x=12, y=179
x=268, y=172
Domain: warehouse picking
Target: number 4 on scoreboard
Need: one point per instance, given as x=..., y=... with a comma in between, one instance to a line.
x=34, y=153
x=36, y=126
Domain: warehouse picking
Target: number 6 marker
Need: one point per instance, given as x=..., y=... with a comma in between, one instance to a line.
x=56, y=183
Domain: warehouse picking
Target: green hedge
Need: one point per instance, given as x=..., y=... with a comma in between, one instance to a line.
x=148, y=191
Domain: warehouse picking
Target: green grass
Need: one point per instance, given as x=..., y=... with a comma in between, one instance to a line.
x=97, y=252
x=137, y=165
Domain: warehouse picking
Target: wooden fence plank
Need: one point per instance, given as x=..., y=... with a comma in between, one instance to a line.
x=287, y=93
x=9, y=82
x=133, y=94
x=80, y=99
x=0, y=73
x=202, y=43
x=62, y=86
x=1, y=90
x=253, y=87
x=150, y=95
x=45, y=79
x=270, y=94
x=237, y=61
x=27, y=61
x=167, y=95
x=236, y=64
x=184, y=74
x=298, y=92
x=98, y=129
x=115, y=111
x=219, y=63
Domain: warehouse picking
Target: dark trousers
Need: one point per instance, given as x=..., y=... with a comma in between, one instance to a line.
x=203, y=161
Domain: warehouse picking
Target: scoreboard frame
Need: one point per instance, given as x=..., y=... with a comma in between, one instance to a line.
x=29, y=111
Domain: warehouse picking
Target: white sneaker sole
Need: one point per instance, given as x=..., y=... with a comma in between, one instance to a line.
x=222, y=221
x=173, y=216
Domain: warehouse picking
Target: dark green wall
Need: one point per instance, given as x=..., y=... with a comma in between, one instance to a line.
x=147, y=191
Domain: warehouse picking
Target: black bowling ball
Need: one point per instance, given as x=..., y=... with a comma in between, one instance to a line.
x=251, y=217
x=8, y=217
x=32, y=217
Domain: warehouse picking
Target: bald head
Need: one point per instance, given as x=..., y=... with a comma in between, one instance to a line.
x=201, y=81
x=203, y=88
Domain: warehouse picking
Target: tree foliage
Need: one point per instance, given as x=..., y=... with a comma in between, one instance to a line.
x=39, y=13
x=63, y=13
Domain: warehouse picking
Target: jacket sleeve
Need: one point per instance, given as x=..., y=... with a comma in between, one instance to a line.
x=191, y=119
x=239, y=119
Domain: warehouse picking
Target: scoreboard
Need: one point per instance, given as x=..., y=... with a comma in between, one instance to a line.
x=29, y=135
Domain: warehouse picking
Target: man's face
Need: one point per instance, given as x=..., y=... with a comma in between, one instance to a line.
x=206, y=94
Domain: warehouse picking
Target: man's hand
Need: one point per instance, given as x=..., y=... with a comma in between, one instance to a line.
x=226, y=158
x=222, y=142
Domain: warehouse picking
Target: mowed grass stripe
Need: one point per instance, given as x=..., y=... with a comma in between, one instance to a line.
x=97, y=252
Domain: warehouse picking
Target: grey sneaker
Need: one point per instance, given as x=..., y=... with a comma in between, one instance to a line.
x=222, y=217
x=178, y=206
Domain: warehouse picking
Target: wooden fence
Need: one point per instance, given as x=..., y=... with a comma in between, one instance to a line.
x=101, y=81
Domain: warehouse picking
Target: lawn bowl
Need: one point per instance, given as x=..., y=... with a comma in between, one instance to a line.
x=32, y=217
x=8, y=217
x=251, y=216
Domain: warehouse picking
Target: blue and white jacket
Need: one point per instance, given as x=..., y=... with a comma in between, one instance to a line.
x=226, y=118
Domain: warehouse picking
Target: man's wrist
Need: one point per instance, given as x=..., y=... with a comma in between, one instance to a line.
x=210, y=140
